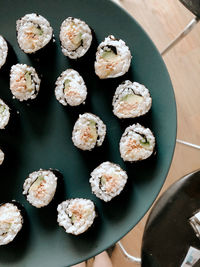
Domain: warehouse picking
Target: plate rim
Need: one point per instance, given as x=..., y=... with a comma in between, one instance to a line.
x=115, y=240
x=173, y=143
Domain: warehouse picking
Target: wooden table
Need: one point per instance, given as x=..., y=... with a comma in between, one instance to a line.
x=163, y=20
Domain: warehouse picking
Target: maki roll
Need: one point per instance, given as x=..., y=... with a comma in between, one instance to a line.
x=33, y=33
x=131, y=100
x=113, y=58
x=70, y=88
x=1, y=157
x=11, y=222
x=137, y=143
x=40, y=187
x=3, y=51
x=108, y=180
x=4, y=114
x=75, y=37
x=76, y=215
x=24, y=82
x=89, y=131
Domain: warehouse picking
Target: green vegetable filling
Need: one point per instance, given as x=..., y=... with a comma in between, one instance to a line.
x=93, y=130
x=37, y=183
x=73, y=218
x=67, y=84
x=132, y=99
x=103, y=181
x=77, y=39
x=110, y=56
x=28, y=81
x=2, y=108
x=37, y=30
x=144, y=142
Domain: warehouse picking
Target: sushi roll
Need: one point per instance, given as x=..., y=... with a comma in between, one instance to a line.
x=2, y=156
x=24, y=82
x=131, y=100
x=11, y=222
x=76, y=215
x=113, y=58
x=4, y=114
x=137, y=143
x=89, y=131
x=33, y=33
x=70, y=88
x=75, y=37
x=108, y=180
x=3, y=51
x=40, y=188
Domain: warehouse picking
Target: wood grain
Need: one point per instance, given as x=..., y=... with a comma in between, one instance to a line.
x=163, y=20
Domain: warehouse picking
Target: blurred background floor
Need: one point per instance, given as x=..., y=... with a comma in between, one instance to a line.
x=163, y=20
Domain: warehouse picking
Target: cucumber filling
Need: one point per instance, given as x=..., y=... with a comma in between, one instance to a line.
x=66, y=85
x=93, y=130
x=75, y=36
x=73, y=218
x=28, y=81
x=102, y=181
x=144, y=142
x=132, y=99
x=77, y=39
x=37, y=30
x=37, y=183
x=2, y=108
x=110, y=56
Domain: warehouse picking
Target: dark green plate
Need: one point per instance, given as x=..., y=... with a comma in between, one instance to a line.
x=42, y=138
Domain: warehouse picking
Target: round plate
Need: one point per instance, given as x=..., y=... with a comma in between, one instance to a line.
x=42, y=137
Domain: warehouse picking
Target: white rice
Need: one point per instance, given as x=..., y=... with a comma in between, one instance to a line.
x=112, y=69
x=77, y=92
x=42, y=194
x=18, y=84
x=81, y=135
x=76, y=215
x=4, y=114
x=10, y=222
x=142, y=104
x=1, y=157
x=131, y=148
x=70, y=28
x=3, y=51
x=114, y=180
x=28, y=41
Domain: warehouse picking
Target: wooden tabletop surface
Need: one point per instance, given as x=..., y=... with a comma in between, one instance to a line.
x=163, y=20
